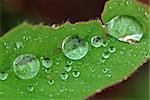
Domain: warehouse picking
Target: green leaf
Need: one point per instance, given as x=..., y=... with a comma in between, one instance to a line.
x=44, y=41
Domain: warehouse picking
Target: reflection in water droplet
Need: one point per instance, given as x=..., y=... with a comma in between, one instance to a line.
x=96, y=41
x=106, y=54
x=26, y=66
x=125, y=28
x=3, y=76
x=76, y=73
x=64, y=76
x=30, y=88
x=74, y=47
x=51, y=82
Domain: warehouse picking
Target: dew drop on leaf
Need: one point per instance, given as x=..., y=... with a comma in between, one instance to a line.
x=30, y=88
x=125, y=28
x=111, y=49
x=47, y=62
x=19, y=45
x=106, y=54
x=47, y=70
x=70, y=62
x=67, y=68
x=102, y=60
x=26, y=66
x=96, y=41
x=51, y=82
x=74, y=47
x=64, y=76
x=76, y=73
x=3, y=76
x=104, y=43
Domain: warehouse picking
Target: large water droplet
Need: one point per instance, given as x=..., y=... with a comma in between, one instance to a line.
x=64, y=76
x=67, y=68
x=30, y=88
x=125, y=28
x=51, y=82
x=74, y=47
x=96, y=41
x=106, y=54
x=76, y=73
x=26, y=66
x=3, y=76
x=47, y=62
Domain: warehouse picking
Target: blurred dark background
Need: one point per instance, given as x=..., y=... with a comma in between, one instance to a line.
x=14, y=12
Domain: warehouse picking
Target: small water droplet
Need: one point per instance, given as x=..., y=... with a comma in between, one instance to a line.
x=105, y=43
x=111, y=49
x=70, y=62
x=3, y=76
x=106, y=54
x=102, y=60
x=26, y=66
x=96, y=41
x=25, y=38
x=47, y=70
x=47, y=62
x=74, y=47
x=110, y=7
x=35, y=83
x=51, y=82
x=19, y=45
x=67, y=68
x=105, y=70
x=76, y=73
x=64, y=76
x=30, y=88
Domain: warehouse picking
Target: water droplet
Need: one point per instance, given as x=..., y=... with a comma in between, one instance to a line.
x=35, y=83
x=96, y=41
x=70, y=62
x=76, y=73
x=102, y=60
x=106, y=54
x=47, y=70
x=105, y=43
x=26, y=66
x=25, y=38
x=74, y=47
x=67, y=68
x=3, y=76
x=125, y=28
x=19, y=45
x=30, y=88
x=51, y=82
x=110, y=7
x=47, y=62
x=64, y=76
x=105, y=70
x=111, y=49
